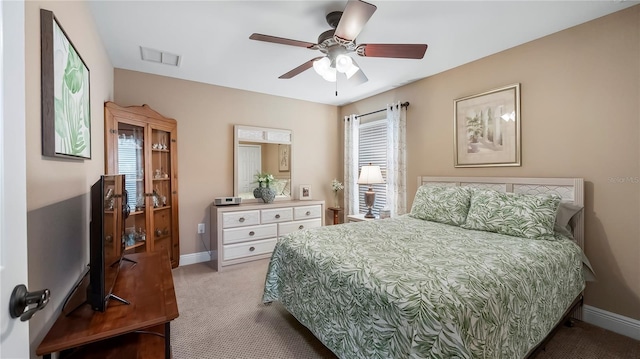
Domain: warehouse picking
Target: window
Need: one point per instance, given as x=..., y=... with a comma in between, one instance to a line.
x=130, y=162
x=373, y=149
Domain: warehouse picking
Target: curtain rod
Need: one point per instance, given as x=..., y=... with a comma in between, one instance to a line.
x=404, y=104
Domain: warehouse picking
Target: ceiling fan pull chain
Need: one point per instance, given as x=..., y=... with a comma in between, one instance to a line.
x=337, y=86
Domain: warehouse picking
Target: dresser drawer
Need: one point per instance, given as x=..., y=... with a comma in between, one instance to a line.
x=249, y=233
x=277, y=215
x=237, y=219
x=240, y=250
x=286, y=228
x=307, y=212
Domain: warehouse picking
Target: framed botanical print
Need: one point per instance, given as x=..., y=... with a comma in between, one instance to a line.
x=283, y=157
x=66, y=113
x=487, y=128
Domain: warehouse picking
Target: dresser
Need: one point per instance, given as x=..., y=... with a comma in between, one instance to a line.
x=247, y=232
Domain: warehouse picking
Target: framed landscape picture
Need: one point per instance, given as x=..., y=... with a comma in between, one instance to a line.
x=66, y=113
x=487, y=128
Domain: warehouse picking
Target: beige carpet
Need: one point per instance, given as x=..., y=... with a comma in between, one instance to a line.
x=221, y=316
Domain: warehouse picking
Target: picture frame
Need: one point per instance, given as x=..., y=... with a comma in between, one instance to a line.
x=66, y=98
x=284, y=157
x=487, y=128
x=305, y=192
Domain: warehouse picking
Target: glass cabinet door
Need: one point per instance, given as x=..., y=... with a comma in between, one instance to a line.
x=142, y=144
x=112, y=236
x=162, y=197
x=131, y=163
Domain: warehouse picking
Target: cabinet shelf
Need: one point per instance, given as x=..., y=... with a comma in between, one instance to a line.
x=159, y=150
x=133, y=213
x=135, y=245
x=161, y=179
x=161, y=208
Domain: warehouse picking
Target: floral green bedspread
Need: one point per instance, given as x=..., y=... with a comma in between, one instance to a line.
x=409, y=288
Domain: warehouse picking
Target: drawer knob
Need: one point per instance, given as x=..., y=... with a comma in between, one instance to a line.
x=308, y=213
x=277, y=216
x=301, y=227
x=241, y=219
x=251, y=249
x=252, y=233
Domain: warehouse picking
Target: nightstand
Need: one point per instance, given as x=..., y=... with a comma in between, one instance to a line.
x=336, y=214
x=359, y=218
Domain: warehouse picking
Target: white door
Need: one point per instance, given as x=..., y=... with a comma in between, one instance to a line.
x=249, y=163
x=14, y=334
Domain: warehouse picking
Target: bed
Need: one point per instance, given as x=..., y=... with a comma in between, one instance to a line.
x=408, y=287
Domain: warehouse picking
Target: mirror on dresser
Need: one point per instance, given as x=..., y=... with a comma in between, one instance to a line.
x=259, y=150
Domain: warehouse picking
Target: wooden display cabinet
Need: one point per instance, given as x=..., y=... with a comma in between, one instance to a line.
x=112, y=216
x=142, y=144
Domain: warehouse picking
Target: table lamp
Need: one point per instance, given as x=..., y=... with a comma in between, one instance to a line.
x=370, y=175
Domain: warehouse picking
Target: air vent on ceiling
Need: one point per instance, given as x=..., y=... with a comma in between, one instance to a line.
x=159, y=56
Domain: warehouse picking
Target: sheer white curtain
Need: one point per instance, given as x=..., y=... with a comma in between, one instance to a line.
x=351, y=136
x=397, y=159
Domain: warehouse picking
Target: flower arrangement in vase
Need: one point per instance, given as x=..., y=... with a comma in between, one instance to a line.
x=263, y=191
x=336, y=186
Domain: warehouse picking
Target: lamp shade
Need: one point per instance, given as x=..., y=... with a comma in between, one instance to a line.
x=351, y=71
x=370, y=175
x=343, y=63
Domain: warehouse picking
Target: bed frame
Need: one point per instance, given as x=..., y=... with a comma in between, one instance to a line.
x=571, y=190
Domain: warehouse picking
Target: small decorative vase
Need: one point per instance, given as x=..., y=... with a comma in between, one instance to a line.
x=257, y=193
x=267, y=194
x=336, y=202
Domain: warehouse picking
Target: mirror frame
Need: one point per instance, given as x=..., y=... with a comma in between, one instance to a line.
x=261, y=135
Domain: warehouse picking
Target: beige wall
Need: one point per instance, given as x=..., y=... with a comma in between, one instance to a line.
x=580, y=118
x=206, y=115
x=57, y=200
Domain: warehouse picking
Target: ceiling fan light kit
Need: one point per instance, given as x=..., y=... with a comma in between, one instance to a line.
x=328, y=69
x=338, y=42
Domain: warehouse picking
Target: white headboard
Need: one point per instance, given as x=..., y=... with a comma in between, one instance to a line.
x=570, y=189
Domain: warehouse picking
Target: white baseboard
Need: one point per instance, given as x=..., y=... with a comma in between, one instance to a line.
x=612, y=321
x=194, y=258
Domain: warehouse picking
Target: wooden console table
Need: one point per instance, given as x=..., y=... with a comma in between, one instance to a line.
x=138, y=330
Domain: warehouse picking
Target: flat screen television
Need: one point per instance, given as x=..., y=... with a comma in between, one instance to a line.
x=109, y=209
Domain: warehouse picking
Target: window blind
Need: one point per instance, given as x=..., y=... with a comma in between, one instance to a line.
x=373, y=149
x=128, y=164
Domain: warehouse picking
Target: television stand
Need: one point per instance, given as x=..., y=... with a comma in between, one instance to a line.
x=122, y=331
x=124, y=259
x=113, y=296
x=130, y=261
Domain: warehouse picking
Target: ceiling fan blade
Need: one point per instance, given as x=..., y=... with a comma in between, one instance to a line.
x=359, y=77
x=281, y=40
x=354, y=17
x=401, y=51
x=307, y=65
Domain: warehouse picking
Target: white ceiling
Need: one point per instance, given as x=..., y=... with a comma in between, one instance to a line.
x=212, y=37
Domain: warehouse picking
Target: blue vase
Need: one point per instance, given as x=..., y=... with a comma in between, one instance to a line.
x=267, y=194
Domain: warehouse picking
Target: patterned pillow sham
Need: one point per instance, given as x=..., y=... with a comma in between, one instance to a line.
x=448, y=205
x=518, y=215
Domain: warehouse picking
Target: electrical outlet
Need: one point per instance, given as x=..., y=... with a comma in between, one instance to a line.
x=200, y=228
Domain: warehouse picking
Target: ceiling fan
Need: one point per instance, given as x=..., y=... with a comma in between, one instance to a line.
x=340, y=41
